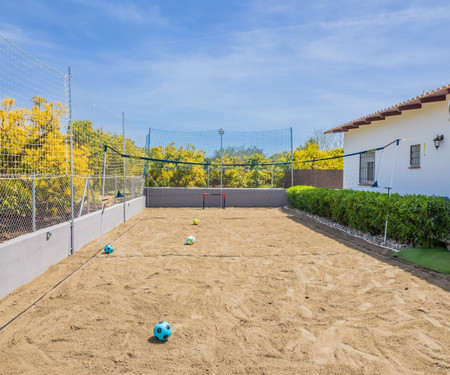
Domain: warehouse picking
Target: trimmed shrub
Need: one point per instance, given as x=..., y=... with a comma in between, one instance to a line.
x=415, y=219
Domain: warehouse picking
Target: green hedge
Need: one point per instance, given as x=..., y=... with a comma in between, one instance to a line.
x=413, y=219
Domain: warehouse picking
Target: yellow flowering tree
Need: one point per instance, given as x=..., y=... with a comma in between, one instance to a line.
x=176, y=174
x=32, y=144
x=304, y=156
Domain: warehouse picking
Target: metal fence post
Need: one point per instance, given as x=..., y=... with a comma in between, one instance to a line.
x=88, y=184
x=33, y=194
x=124, y=170
x=147, y=163
x=69, y=77
x=292, y=160
x=221, y=160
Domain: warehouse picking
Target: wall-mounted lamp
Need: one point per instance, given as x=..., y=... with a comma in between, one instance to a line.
x=437, y=141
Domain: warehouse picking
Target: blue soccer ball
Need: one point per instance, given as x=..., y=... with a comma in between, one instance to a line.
x=162, y=331
x=109, y=249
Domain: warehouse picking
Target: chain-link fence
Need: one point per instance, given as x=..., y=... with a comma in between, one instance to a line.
x=52, y=136
x=30, y=204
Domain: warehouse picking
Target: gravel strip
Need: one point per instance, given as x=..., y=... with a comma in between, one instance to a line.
x=373, y=239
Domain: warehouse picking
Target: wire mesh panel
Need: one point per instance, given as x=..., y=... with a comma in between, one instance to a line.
x=15, y=208
x=218, y=158
x=52, y=136
x=34, y=157
x=30, y=204
x=52, y=203
x=122, y=176
x=23, y=77
x=32, y=115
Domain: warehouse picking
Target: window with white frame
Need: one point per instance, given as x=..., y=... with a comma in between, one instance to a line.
x=414, y=156
x=367, y=168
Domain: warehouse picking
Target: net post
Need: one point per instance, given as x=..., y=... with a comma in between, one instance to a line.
x=387, y=214
x=389, y=190
x=105, y=148
x=224, y=196
x=204, y=195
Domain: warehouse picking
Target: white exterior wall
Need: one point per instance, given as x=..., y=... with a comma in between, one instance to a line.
x=417, y=126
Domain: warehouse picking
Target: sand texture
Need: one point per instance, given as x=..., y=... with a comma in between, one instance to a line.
x=262, y=291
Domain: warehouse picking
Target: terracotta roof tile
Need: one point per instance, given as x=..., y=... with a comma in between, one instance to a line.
x=414, y=103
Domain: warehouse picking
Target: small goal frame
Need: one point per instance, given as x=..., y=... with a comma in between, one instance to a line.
x=222, y=200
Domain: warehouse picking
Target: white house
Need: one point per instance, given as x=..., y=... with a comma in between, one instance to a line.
x=418, y=163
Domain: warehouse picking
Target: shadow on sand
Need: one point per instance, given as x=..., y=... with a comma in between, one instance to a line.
x=154, y=340
x=385, y=255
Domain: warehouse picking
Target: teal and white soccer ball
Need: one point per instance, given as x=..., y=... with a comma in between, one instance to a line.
x=109, y=249
x=190, y=240
x=162, y=331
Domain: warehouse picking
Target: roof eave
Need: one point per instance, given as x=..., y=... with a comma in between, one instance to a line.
x=396, y=110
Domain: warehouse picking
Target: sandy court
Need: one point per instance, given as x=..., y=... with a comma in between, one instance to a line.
x=262, y=291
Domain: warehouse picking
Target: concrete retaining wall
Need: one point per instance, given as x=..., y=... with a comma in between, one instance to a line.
x=193, y=197
x=23, y=258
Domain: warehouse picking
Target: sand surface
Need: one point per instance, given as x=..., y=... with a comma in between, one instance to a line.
x=262, y=291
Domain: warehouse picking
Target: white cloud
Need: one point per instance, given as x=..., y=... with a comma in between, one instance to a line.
x=128, y=11
x=267, y=77
x=417, y=16
x=22, y=38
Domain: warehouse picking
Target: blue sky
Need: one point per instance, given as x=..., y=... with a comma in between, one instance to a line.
x=239, y=65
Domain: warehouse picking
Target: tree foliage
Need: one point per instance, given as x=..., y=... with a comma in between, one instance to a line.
x=32, y=142
x=304, y=157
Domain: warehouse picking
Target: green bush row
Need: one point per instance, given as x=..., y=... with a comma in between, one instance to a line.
x=413, y=219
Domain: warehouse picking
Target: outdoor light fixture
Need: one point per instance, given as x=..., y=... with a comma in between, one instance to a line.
x=437, y=141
